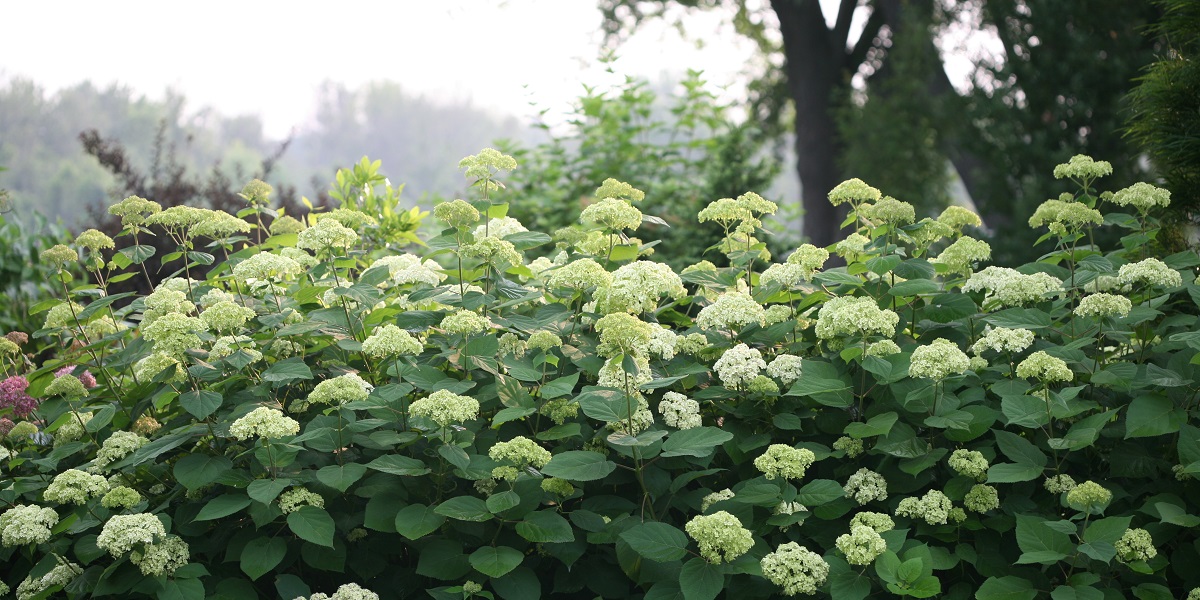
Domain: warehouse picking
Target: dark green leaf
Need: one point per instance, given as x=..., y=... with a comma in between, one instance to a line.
x=699, y=580
x=399, y=465
x=1006, y=588
x=198, y=470
x=464, y=508
x=341, y=477
x=262, y=554
x=875, y=426
x=579, y=465
x=223, y=506
x=200, y=403
x=1040, y=543
x=1151, y=415
x=545, y=526
x=657, y=541
x=312, y=524
x=497, y=561
x=286, y=371
x=698, y=441
x=416, y=521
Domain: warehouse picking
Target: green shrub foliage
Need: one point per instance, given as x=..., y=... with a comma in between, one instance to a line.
x=509, y=415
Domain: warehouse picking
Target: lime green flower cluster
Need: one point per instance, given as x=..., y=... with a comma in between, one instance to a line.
x=351, y=591
x=890, y=211
x=1059, y=484
x=637, y=287
x=969, y=463
x=59, y=256
x=95, y=240
x=266, y=266
x=785, y=462
x=1089, y=497
x=67, y=386
x=961, y=256
x=465, y=322
x=61, y=575
x=1135, y=544
x=151, y=366
x=809, y=258
x=340, y=390
x=520, y=452
x=853, y=247
x=1045, y=368
x=75, y=487
x=266, y=423
x=854, y=191
x=174, y=333
x=731, y=311
x=226, y=345
x=486, y=163
x=957, y=217
x=326, y=235
x=795, y=568
x=349, y=218
x=934, y=507
x=865, y=486
x=1142, y=196
x=862, y=545
x=715, y=497
x=1104, y=306
x=1065, y=217
x=739, y=366
x=623, y=333
x=880, y=522
x=226, y=316
x=1082, y=167
x=786, y=368
x=543, y=340
x=883, y=348
x=391, y=341
x=849, y=445
x=458, y=214
x=219, y=225
x=121, y=497
x=116, y=447
x=24, y=524
x=494, y=251
x=982, y=498
x=613, y=214
x=133, y=210
x=285, y=225
x=179, y=219
x=720, y=536
x=580, y=275
x=161, y=559
x=71, y=429
x=445, y=407
x=937, y=360
x=122, y=533
x=291, y=500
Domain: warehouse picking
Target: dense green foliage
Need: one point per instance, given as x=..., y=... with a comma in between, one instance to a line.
x=324, y=411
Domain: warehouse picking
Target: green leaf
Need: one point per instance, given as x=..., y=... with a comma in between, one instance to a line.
x=699, y=580
x=312, y=524
x=341, y=477
x=610, y=406
x=1040, y=543
x=1025, y=411
x=396, y=464
x=502, y=501
x=223, y=506
x=545, y=526
x=1152, y=414
x=486, y=346
x=914, y=287
x=824, y=383
x=201, y=403
x=181, y=589
x=455, y=455
x=1019, y=318
x=416, y=521
x=1013, y=473
x=659, y=542
x=1175, y=515
x=496, y=561
x=1019, y=449
x=524, y=240
x=1006, y=588
x=267, y=490
x=579, y=465
x=195, y=471
x=286, y=371
x=464, y=508
x=697, y=441
x=846, y=583
x=875, y=426
x=1152, y=591
x=945, y=308
x=559, y=387
x=262, y=554
x=820, y=491
x=880, y=265
x=505, y=415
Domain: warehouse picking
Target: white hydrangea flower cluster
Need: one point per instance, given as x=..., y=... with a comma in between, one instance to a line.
x=226, y=316
x=776, y=313
x=865, y=486
x=934, y=507
x=266, y=423
x=613, y=375
x=938, y=360
x=174, y=334
x=679, y=411
x=856, y=317
x=1142, y=196
x=784, y=462
x=340, y=390
x=117, y=446
x=862, y=545
x=731, y=311
x=1104, y=306
x=1002, y=339
x=1150, y=271
x=623, y=333
x=266, y=267
x=291, y=500
x=883, y=348
x=26, y=524
x=637, y=287
x=445, y=407
x=1135, y=544
x=349, y=591
x=1044, y=367
x=61, y=575
x=786, y=368
x=612, y=213
x=500, y=227
x=326, y=234
x=787, y=275
x=579, y=275
x=961, y=256
x=795, y=568
x=969, y=463
x=226, y=345
x=880, y=522
x=720, y=536
x=162, y=559
x=739, y=365
x=662, y=342
x=409, y=268
x=465, y=322
x=122, y=533
x=982, y=498
x=715, y=497
x=390, y=341
x=1009, y=287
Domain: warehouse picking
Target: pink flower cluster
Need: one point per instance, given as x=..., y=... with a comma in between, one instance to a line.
x=86, y=378
x=12, y=395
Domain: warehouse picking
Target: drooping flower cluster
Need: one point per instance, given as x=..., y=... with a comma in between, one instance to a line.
x=938, y=360
x=679, y=411
x=266, y=423
x=720, y=536
x=795, y=568
x=865, y=486
x=445, y=407
x=739, y=365
x=61, y=575
x=785, y=462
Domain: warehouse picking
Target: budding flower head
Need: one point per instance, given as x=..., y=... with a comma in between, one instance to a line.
x=890, y=211
x=340, y=390
x=465, y=322
x=456, y=213
x=133, y=210
x=1083, y=167
x=961, y=256
x=285, y=225
x=520, y=452
x=390, y=341
x=854, y=191
x=95, y=240
x=487, y=162
x=67, y=386
x=613, y=214
x=291, y=500
x=257, y=192
x=795, y=568
x=720, y=536
x=1134, y=545
x=880, y=522
x=785, y=462
x=1089, y=497
x=849, y=445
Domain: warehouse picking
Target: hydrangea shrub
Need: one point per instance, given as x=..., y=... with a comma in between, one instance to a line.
x=509, y=414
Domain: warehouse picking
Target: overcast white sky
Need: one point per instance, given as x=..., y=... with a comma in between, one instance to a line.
x=269, y=57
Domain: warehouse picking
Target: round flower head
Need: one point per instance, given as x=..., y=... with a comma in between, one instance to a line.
x=266, y=423
x=934, y=507
x=59, y=256
x=856, y=317
x=1008, y=287
x=1001, y=339
x=445, y=407
x=714, y=498
x=927, y=231
x=285, y=225
x=161, y=559
x=116, y=447
x=226, y=316
x=865, y=486
x=854, y=191
x=95, y=240
x=662, y=343
x=810, y=258
x=623, y=333
x=1103, y=306
x=786, y=368
x=68, y=386
x=739, y=365
x=938, y=360
x=558, y=487
x=961, y=256
x=891, y=211
x=151, y=366
x=123, y=533
x=613, y=375
x=1150, y=271
x=638, y=286
x=795, y=568
x=133, y=210
x=849, y=445
x=732, y=310
x=785, y=462
x=853, y=247
x=679, y=411
x=969, y=463
x=162, y=302
x=786, y=275
x=725, y=211
x=579, y=275
x=982, y=498
x=1043, y=367
x=291, y=500
x=350, y=218
x=340, y=390
x=1083, y=167
x=178, y=218
x=877, y=521
x=390, y=341
x=613, y=214
x=543, y=340
x=71, y=430
x=1065, y=217
x=1089, y=497
x=13, y=396
x=25, y=430
x=862, y=545
x=519, y=452
x=465, y=322
x=326, y=234
x=121, y=497
x=257, y=192
x=219, y=225
x=494, y=251
x=458, y=214
x=720, y=536
x=24, y=524
x=957, y=217
x=1142, y=196
x=1135, y=544
x=486, y=163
